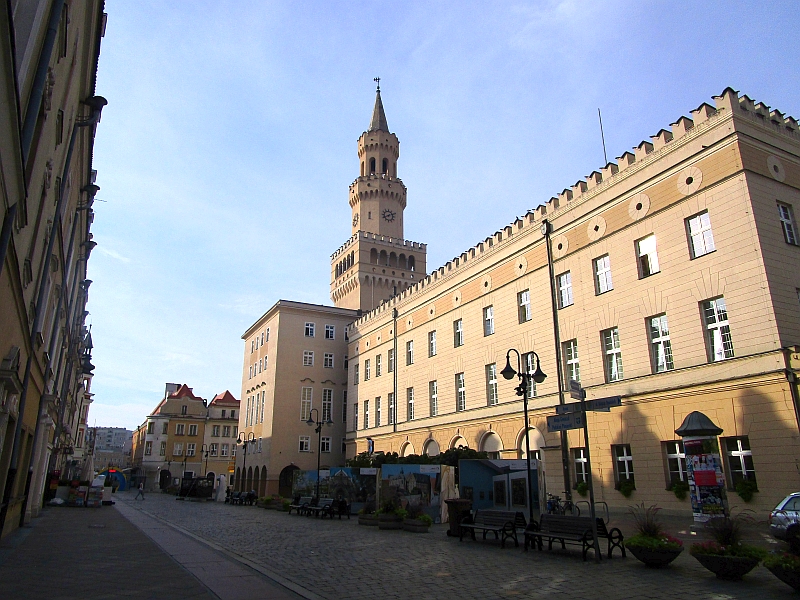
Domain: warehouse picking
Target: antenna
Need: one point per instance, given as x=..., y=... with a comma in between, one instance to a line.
x=378, y=81
x=602, y=137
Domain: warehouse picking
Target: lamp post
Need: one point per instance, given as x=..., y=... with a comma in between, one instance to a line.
x=319, y=423
x=204, y=454
x=243, y=440
x=522, y=390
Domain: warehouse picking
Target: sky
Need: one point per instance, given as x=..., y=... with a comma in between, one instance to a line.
x=225, y=153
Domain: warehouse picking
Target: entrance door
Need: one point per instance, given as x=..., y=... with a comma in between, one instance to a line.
x=285, y=481
x=164, y=479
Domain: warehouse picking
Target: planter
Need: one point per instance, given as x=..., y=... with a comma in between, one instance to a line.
x=732, y=568
x=390, y=521
x=653, y=557
x=788, y=576
x=457, y=509
x=369, y=520
x=415, y=526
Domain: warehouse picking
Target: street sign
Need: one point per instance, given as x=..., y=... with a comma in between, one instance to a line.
x=604, y=404
x=575, y=390
x=570, y=407
x=564, y=422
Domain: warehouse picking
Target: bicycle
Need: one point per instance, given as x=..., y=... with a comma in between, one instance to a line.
x=555, y=506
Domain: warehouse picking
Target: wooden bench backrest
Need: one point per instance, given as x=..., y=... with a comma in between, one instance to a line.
x=305, y=500
x=499, y=518
x=325, y=502
x=571, y=525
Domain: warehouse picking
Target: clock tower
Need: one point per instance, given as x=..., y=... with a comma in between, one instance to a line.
x=376, y=262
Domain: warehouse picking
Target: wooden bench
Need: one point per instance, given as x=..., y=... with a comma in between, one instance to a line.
x=341, y=507
x=299, y=504
x=577, y=530
x=500, y=522
x=323, y=508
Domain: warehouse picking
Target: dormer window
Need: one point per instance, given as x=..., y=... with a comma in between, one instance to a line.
x=184, y=409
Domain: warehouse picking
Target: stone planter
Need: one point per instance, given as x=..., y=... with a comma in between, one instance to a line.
x=369, y=520
x=653, y=557
x=390, y=521
x=415, y=526
x=732, y=568
x=787, y=576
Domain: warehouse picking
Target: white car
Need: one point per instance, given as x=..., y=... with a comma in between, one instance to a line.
x=784, y=520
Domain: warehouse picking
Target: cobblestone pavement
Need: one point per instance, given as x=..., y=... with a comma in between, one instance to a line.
x=342, y=560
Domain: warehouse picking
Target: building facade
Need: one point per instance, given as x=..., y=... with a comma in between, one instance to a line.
x=221, y=431
x=49, y=51
x=111, y=447
x=668, y=278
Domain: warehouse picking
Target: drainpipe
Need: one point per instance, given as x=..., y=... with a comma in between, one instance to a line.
x=547, y=228
x=793, y=379
x=394, y=369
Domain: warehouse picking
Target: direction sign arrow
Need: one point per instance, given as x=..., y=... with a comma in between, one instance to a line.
x=575, y=390
x=564, y=422
x=570, y=407
x=604, y=404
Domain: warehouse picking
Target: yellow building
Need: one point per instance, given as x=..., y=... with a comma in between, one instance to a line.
x=672, y=282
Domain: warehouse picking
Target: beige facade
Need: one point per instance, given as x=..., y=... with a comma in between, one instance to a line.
x=676, y=285
x=49, y=53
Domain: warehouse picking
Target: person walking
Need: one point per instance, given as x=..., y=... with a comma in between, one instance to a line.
x=141, y=492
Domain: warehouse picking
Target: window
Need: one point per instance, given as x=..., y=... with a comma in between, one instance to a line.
x=179, y=429
x=190, y=448
x=660, y=346
x=233, y=450
x=260, y=365
x=148, y=448
x=305, y=443
x=701, y=238
x=213, y=449
x=306, y=397
x=344, y=445
x=392, y=408
x=572, y=366
x=675, y=459
x=718, y=332
x=355, y=416
x=740, y=460
x=458, y=333
x=308, y=358
x=252, y=346
x=162, y=451
x=524, y=302
x=612, y=355
x=410, y=401
x=529, y=364
x=327, y=405
x=378, y=364
x=150, y=426
x=327, y=360
x=325, y=444
x=623, y=463
x=330, y=332
x=309, y=330
x=164, y=428
x=344, y=407
x=233, y=416
x=488, y=320
x=410, y=352
x=355, y=374
x=262, y=338
x=461, y=393
x=581, y=465
x=433, y=393
x=390, y=361
x=432, y=343
x=226, y=431
x=262, y=406
x=788, y=224
x=223, y=451
x=345, y=362
x=491, y=384
x=367, y=370
x=177, y=449
x=564, y=284
x=648, y=258
x=366, y=414
x=192, y=429
x=251, y=372
x=59, y=127
x=378, y=411
x=184, y=409
x=602, y=275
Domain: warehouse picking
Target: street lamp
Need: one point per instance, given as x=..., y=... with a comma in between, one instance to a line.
x=243, y=440
x=318, y=429
x=204, y=454
x=522, y=390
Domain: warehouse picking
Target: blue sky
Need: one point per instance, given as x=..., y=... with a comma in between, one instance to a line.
x=226, y=150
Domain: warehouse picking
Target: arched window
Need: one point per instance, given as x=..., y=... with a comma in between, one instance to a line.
x=393, y=259
x=371, y=166
x=401, y=261
x=411, y=263
x=362, y=168
x=373, y=256
x=352, y=258
x=384, y=260
x=385, y=166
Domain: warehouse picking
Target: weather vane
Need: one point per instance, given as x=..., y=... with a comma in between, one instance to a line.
x=378, y=81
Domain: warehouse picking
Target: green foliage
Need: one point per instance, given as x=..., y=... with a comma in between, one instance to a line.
x=783, y=560
x=646, y=520
x=727, y=530
x=450, y=458
x=425, y=519
x=746, y=488
x=665, y=542
x=582, y=488
x=286, y=504
x=626, y=487
x=738, y=550
x=680, y=489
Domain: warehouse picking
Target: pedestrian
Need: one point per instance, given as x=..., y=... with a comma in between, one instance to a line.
x=141, y=492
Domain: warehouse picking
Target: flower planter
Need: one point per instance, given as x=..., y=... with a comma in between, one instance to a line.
x=369, y=520
x=788, y=576
x=415, y=526
x=390, y=521
x=732, y=568
x=653, y=557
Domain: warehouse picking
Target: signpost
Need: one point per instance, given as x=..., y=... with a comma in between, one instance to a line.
x=573, y=416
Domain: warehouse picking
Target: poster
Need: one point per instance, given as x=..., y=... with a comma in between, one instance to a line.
x=413, y=485
x=706, y=479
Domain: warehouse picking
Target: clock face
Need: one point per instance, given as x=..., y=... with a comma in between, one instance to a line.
x=355, y=219
x=388, y=215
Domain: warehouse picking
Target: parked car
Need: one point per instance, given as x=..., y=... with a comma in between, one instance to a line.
x=784, y=520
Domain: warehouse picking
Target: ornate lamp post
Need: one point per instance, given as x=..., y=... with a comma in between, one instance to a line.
x=204, y=454
x=522, y=390
x=312, y=422
x=243, y=440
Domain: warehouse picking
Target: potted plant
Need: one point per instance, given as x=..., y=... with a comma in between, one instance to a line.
x=651, y=544
x=746, y=488
x=285, y=504
x=417, y=521
x=390, y=515
x=626, y=487
x=367, y=515
x=582, y=488
x=786, y=567
x=726, y=556
x=679, y=488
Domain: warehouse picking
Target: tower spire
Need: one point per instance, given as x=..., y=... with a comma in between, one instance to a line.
x=378, y=122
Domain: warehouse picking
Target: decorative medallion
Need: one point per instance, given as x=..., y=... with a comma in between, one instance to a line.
x=639, y=206
x=486, y=283
x=596, y=228
x=521, y=266
x=689, y=180
x=560, y=246
x=776, y=169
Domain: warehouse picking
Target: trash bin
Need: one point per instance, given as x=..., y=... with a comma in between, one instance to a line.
x=457, y=508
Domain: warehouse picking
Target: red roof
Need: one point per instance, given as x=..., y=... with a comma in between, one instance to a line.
x=184, y=392
x=225, y=398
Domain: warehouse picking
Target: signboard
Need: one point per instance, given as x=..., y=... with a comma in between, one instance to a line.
x=369, y=471
x=428, y=469
x=573, y=420
x=324, y=473
x=575, y=390
x=571, y=407
x=604, y=404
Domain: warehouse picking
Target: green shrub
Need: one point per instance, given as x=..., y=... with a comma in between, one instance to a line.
x=665, y=542
x=286, y=504
x=646, y=520
x=425, y=519
x=582, y=488
x=679, y=488
x=783, y=560
x=739, y=550
x=626, y=487
x=746, y=488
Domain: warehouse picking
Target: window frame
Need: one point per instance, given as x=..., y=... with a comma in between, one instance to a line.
x=367, y=369
x=458, y=333
x=306, y=404
x=378, y=411
x=647, y=262
x=304, y=443
x=461, y=392
x=410, y=403
x=433, y=397
x=673, y=451
x=431, y=343
x=564, y=287
x=409, y=353
x=721, y=325
x=612, y=356
x=622, y=455
x=328, y=360
x=310, y=329
x=308, y=358
x=492, y=397
x=603, y=281
x=788, y=224
x=739, y=454
x=708, y=245
x=580, y=465
x=524, y=312
x=330, y=332
x=660, y=345
x=327, y=404
x=488, y=320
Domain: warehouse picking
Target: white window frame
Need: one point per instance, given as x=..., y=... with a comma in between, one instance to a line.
x=739, y=456
x=378, y=411
x=602, y=274
x=564, y=285
x=306, y=402
x=491, y=385
x=488, y=321
x=328, y=360
x=524, y=302
x=392, y=409
x=378, y=364
x=213, y=449
x=327, y=405
x=366, y=414
x=390, y=360
x=718, y=331
x=177, y=449
x=355, y=374
x=192, y=430
x=409, y=352
x=458, y=333
x=433, y=393
x=180, y=429
x=330, y=332
x=788, y=224
x=304, y=443
x=581, y=464
x=410, y=403
x=660, y=344
x=674, y=451
x=355, y=416
x=148, y=448
x=700, y=235
x=367, y=369
x=572, y=364
x=308, y=358
x=623, y=463
x=223, y=450
x=612, y=354
x=647, y=256
x=325, y=444
x=461, y=393
x=529, y=364
x=310, y=329
x=431, y=343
